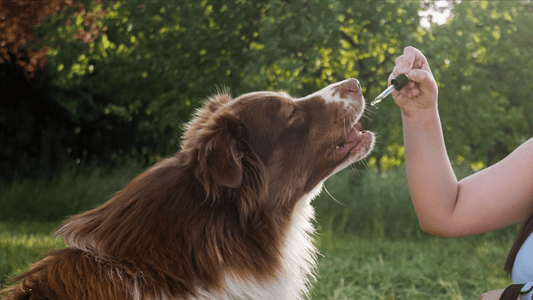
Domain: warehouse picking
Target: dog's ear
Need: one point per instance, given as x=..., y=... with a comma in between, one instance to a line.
x=222, y=158
x=228, y=166
x=225, y=158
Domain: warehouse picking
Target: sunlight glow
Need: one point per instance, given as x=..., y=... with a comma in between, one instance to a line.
x=435, y=16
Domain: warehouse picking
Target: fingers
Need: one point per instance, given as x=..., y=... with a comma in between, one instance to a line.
x=419, y=76
x=396, y=71
x=414, y=64
x=416, y=59
x=412, y=58
x=418, y=79
x=405, y=62
x=392, y=75
x=410, y=90
x=422, y=91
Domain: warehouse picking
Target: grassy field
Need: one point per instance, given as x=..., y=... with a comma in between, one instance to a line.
x=370, y=243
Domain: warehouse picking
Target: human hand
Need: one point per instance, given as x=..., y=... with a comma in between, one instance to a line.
x=492, y=295
x=421, y=92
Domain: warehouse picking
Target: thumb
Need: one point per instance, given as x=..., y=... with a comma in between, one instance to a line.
x=421, y=76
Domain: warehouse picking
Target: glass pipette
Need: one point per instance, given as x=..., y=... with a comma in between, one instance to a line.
x=396, y=84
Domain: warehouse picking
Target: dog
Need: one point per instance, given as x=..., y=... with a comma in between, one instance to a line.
x=228, y=217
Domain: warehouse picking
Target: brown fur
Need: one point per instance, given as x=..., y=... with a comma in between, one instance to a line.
x=220, y=206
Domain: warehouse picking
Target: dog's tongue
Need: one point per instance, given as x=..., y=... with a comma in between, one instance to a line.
x=353, y=139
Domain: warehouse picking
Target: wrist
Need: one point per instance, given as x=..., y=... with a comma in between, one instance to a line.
x=421, y=116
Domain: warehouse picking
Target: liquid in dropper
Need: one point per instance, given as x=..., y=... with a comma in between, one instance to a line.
x=382, y=96
x=396, y=84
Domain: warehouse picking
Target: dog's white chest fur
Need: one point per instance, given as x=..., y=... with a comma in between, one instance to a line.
x=298, y=263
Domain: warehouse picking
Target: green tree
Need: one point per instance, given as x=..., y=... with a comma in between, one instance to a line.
x=482, y=59
x=138, y=70
x=16, y=27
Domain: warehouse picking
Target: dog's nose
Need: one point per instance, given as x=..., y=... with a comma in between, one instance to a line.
x=352, y=85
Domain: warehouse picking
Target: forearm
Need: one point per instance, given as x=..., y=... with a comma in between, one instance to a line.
x=432, y=182
x=495, y=197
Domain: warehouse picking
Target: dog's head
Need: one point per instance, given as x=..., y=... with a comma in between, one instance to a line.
x=272, y=144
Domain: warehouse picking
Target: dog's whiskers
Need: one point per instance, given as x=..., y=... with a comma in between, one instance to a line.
x=333, y=197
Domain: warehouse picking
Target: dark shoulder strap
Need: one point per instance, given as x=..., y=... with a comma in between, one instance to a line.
x=511, y=292
x=525, y=231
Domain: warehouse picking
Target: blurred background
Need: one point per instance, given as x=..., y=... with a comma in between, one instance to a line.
x=95, y=91
x=108, y=82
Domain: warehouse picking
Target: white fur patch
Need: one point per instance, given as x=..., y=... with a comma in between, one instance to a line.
x=298, y=263
x=329, y=94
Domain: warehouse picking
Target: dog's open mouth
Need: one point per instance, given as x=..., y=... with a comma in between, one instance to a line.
x=357, y=141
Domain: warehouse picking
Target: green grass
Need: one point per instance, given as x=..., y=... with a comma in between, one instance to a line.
x=349, y=267
x=430, y=268
x=371, y=244
x=23, y=243
x=70, y=192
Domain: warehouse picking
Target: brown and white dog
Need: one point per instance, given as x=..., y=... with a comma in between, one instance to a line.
x=228, y=217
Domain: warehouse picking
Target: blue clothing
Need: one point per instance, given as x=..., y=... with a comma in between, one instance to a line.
x=523, y=264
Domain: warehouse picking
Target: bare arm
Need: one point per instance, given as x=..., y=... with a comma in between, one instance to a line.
x=492, y=198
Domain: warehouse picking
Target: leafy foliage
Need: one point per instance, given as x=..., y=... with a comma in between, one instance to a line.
x=16, y=27
x=484, y=78
x=124, y=77
x=140, y=70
